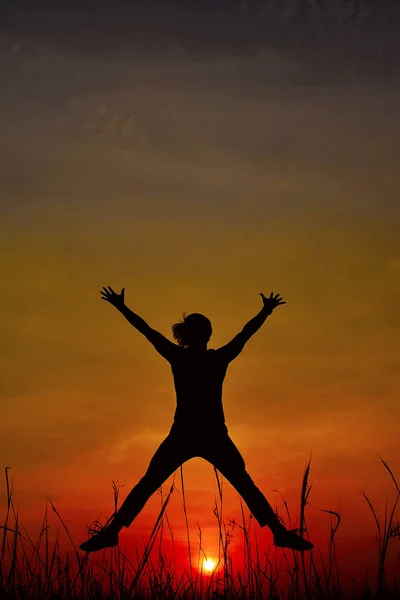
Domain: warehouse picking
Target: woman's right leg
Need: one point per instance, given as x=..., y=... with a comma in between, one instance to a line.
x=172, y=452
x=170, y=455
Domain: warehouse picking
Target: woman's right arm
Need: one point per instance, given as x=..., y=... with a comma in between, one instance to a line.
x=165, y=347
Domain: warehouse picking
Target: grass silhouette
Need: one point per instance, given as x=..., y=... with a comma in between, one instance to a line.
x=38, y=569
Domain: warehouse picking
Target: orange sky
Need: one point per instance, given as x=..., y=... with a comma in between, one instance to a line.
x=196, y=186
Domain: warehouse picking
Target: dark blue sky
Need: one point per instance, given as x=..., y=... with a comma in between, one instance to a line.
x=360, y=32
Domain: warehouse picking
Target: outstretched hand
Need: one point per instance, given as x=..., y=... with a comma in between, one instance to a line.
x=272, y=301
x=117, y=300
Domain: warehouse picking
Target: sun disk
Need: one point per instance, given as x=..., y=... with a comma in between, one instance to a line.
x=209, y=564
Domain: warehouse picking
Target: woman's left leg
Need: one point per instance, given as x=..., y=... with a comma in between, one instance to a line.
x=224, y=455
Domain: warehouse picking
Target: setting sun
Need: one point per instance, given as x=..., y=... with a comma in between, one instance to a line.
x=209, y=564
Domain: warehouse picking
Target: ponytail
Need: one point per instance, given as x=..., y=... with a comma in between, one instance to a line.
x=179, y=330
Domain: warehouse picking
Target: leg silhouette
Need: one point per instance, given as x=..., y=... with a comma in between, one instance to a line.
x=171, y=454
x=225, y=456
x=178, y=447
x=167, y=458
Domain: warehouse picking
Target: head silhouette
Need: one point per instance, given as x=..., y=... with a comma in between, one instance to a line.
x=193, y=330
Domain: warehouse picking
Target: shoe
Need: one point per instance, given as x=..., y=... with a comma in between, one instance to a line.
x=106, y=538
x=290, y=539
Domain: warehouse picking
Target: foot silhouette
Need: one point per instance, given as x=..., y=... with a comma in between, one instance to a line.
x=290, y=539
x=106, y=538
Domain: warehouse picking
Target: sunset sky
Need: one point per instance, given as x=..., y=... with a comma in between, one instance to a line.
x=197, y=182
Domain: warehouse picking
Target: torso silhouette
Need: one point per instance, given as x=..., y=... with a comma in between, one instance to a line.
x=198, y=377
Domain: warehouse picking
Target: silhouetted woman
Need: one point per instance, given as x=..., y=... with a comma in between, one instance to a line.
x=199, y=425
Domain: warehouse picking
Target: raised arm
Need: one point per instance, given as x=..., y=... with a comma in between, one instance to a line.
x=164, y=346
x=236, y=345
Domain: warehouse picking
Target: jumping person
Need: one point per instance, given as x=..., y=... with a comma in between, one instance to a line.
x=199, y=424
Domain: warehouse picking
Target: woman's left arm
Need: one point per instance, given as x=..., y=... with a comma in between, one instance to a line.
x=233, y=348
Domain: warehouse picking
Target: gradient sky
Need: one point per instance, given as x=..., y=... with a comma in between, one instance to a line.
x=197, y=184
